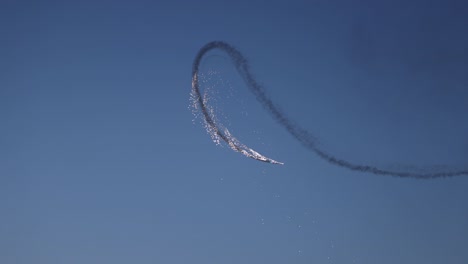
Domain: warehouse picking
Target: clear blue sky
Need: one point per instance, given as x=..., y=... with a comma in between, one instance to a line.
x=100, y=161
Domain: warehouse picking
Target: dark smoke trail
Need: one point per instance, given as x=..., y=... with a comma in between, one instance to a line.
x=302, y=135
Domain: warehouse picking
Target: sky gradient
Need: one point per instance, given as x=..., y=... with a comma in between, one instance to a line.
x=100, y=161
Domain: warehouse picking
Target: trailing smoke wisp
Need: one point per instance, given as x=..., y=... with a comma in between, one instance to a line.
x=303, y=136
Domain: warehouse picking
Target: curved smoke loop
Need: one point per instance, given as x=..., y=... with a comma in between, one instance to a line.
x=300, y=134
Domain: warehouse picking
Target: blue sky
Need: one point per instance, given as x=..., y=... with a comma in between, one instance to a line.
x=100, y=160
